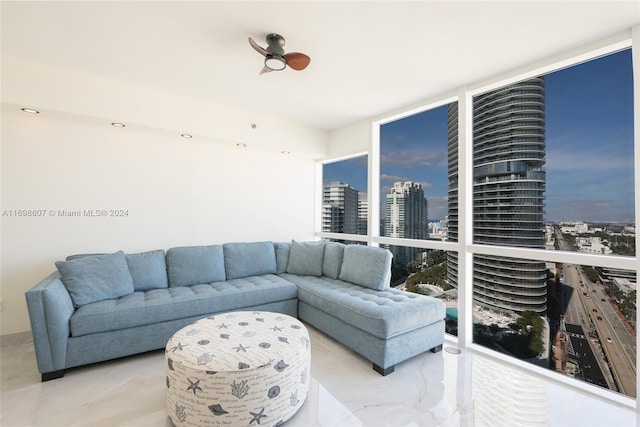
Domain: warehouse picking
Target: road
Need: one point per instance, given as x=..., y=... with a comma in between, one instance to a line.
x=588, y=306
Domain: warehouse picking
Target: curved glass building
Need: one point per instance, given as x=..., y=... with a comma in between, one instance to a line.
x=508, y=194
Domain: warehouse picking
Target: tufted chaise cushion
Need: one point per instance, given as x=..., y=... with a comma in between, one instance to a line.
x=161, y=305
x=384, y=314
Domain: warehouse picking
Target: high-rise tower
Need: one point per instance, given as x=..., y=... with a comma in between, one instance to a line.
x=363, y=213
x=508, y=194
x=406, y=217
x=340, y=208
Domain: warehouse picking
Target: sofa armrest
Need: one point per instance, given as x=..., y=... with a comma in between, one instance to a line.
x=50, y=308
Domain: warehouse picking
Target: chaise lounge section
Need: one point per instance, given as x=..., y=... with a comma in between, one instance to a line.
x=353, y=303
x=99, y=307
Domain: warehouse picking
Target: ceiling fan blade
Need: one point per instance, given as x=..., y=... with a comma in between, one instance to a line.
x=297, y=61
x=265, y=70
x=262, y=51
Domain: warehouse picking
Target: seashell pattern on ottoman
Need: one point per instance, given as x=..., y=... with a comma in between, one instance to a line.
x=240, y=368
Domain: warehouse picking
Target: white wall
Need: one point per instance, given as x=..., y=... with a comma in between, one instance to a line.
x=177, y=191
x=350, y=139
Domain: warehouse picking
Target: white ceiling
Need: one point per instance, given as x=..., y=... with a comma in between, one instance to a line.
x=367, y=58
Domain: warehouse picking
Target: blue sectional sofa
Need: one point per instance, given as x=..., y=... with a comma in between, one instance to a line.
x=98, y=307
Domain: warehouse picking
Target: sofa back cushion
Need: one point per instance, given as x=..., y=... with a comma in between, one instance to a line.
x=96, y=277
x=249, y=259
x=332, y=262
x=282, y=256
x=193, y=265
x=148, y=270
x=366, y=266
x=306, y=258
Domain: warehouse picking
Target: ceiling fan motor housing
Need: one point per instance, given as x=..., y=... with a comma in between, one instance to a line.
x=275, y=43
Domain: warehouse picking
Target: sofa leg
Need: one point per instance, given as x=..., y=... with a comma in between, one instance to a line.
x=382, y=371
x=437, y=349
x=52, y=375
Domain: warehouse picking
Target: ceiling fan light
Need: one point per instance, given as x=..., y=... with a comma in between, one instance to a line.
x=275, y=62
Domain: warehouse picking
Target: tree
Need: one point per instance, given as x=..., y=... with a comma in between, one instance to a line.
x=591, y=273
x=526, y=342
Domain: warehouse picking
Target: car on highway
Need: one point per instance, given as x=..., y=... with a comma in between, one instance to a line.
x=595, y=310
x=609, y=340
x=599, y=317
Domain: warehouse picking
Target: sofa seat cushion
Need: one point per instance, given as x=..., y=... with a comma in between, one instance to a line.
x=384, y=314
x=161, y=305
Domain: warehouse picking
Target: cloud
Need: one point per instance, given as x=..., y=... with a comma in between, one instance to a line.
x=588, y=156
x=396, y=178
x=437, y=207
x=591, y=210
x=409, y=158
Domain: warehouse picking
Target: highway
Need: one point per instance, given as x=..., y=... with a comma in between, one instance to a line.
x=588, y=305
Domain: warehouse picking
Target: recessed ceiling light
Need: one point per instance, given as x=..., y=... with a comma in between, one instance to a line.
x=118, y=125
x=186, y=135
x=285, y=152
x=241, y=144
x=30, y=111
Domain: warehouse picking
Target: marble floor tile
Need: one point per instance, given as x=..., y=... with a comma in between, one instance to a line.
x=432, y=389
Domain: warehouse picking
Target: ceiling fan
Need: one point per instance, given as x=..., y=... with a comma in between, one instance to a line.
x=274, y=57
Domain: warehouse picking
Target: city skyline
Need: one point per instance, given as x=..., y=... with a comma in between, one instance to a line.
x=589, y=147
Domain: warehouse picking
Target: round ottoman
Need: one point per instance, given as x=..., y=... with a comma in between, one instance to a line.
x=240, y=368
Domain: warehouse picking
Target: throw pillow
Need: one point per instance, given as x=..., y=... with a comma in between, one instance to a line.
x=95, y=278
x=282, y=256
x=249, y=259
x=367, y=266
x=333, y=252
x=148, y=270
x=76, y=256
x=193, y=265
x=306, y=258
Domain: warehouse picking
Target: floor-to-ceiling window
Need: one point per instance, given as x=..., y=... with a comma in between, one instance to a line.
x=553, y=171
x=516, y=205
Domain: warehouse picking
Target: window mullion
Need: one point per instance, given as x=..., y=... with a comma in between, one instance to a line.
x=465, y=215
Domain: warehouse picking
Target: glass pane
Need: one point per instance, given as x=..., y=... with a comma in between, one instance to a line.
x=344, y=204
x=580, y=322
x=589, y=147
x=553, y=160
x=414, y=159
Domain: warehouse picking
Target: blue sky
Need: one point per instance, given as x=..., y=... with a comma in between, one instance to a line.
x=589, y=146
